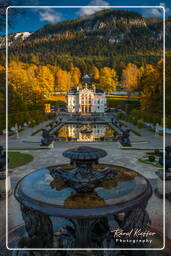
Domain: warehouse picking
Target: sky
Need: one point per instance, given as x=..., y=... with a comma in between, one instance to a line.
x=32, y=19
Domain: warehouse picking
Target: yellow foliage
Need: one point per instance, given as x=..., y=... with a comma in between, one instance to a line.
x=131, y=77
x=108, y=79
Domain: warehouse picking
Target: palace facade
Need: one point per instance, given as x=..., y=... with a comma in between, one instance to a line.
x=86, y=100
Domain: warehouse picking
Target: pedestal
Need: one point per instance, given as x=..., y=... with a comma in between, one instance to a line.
x=3, y=181
x=83, y=228
x=39, y=228
x=160, y=182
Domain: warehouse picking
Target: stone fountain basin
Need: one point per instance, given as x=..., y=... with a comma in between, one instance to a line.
x=40, y=191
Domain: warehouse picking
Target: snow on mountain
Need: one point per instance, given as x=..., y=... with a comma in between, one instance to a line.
x=24, y=35
x=14, y=38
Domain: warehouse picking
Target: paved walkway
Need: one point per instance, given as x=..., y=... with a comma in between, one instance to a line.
x=14, y=142
x=148, y=136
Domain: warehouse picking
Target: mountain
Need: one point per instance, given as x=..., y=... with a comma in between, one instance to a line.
x=99, y=22
x=100, y=38
x=156, y=25
x=14, y=38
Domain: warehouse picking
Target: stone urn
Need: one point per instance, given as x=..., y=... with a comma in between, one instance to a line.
x=160, y=181
x=167, y=178
x=4, y=181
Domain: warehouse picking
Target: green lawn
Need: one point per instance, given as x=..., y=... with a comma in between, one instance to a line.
x=122, y=98
x=146, y=160
x=17, y=159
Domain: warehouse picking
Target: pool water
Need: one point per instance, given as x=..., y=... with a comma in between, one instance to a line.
x=42, y=189
x=86, y=132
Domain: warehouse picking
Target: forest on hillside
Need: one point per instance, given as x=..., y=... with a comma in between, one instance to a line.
x=102, y=39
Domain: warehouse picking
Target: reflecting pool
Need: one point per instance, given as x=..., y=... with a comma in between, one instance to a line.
x=86, y=132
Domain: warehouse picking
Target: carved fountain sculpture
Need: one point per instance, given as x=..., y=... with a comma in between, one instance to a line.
x=83, y=178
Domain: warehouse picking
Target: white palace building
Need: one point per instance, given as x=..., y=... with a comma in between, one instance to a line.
x=86, y=100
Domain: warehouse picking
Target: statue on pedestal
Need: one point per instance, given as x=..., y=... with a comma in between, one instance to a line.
x=124, y=139
x=2, y=159
x=4, y=178
x=167, y=158
x=167, y=177
x=46, y=138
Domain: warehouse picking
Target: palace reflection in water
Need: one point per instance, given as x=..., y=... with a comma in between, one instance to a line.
x=87, y=132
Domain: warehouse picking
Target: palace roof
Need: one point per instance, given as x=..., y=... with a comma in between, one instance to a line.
x=74, y=91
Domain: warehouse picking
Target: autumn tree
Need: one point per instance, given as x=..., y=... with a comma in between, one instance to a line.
x=75, y=76
x=63, y=80
x=2, y=90
x=18, y=86
x=95, y=74
x=45, y=81
x=152, y=91
x=120, y=66
x=131, y=77
x=168, y=88
x=108, y=79
x=2, y=98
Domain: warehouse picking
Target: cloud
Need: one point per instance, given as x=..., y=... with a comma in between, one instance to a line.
x=88, y=11
x=49, y=15
x=167, y=10
x=153, y=12
x=156, y=12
